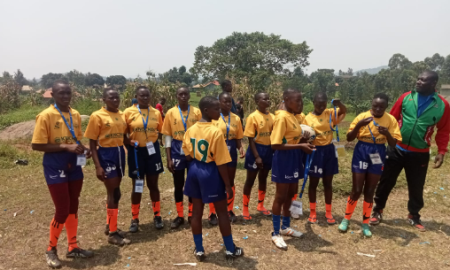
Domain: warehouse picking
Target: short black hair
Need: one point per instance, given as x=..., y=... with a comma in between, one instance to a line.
x=382, y=96
x=432, y=74
x=206, y=102
x=258, y=96
x=320, y=95
x=224, y=94
x=59, y=81
x=107, y=89
x=182, y=87
x=224, y=83
x=290, y=91
x=141, y=87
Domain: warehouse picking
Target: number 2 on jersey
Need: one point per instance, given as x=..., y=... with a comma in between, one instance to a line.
x=202, y=147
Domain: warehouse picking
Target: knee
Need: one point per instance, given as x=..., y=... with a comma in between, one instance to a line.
x=117, y=195
x=61, y=215
x=356, y=193
x=327, y=185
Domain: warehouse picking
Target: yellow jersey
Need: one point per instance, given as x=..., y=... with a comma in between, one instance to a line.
x=106, y=127
x=259, y=126
x=173, y=124
x=235, y=131
x=300, y=117
x=321, y=125
x=286, y=129
x=135, y=124
x=51, y=129
x=204, y=142
x=386, y=120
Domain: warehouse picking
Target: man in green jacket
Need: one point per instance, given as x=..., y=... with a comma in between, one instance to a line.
x=418, y=113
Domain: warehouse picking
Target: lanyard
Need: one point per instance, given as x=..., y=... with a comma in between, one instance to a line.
x=330, y=122
x=136, y=160
x=182, y=118
x=228, y=126
x=71, y=129
x=309, y=160
x=145, y=122
x=373, y=137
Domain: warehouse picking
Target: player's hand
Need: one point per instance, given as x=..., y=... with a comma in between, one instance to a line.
x=170, y=166
x=438, y=160
x=259, y=162
x=100, y=174
x=307, y=148
x=306, y=135
x=383, y=130
x=336, y=101
x=75, y=148
x=229, y=193
x=241, y=152
x=365, y=121
x=88, y=152
x=133, y=143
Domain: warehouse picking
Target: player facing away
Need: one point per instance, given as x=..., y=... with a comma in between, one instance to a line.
x=287, y=167
x=144, y=124
x=178, y=120
x=105, y=132
x=258, y=158
x=57, y=133
x=373, y=129
x=207, y=180
x=325, y=161
x=231, y=127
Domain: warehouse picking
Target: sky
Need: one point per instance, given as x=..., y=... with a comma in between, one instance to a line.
x=116, y=37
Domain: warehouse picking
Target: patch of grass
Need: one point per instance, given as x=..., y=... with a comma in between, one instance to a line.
x=22, y=114
x=195, y=100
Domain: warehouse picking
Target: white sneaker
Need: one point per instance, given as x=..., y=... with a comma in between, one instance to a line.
x=291, y=232
x=295, y=216
x=279, y=242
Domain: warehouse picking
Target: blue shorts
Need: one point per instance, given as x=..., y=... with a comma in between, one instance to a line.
x=179, y=160
x=287, y=166
x=232, y=146
x=203, y=181
x=361, y=162
x=265, y=153
x=148, y=165
x=57, y=176
x=112, y=160
x=325, y=162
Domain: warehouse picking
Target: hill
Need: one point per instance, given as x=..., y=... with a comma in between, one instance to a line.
x=372, y=70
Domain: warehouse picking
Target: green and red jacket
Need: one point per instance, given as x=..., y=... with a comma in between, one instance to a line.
x=417, y=131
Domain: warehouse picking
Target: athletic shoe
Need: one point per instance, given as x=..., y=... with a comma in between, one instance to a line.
x=120, y=232
x=213, y=219
x=52, y=258
x=177, y=222
x=279, y=242
x=377, y=217
x=232, y=216
x=343, y=227
x=295, y=216
x=159, y=224
x=79, y=253
x=134, y=227
x=238, y=252
x=366, y=230
x=416, y=223
x=291, y=232
x=116, y=239
x=199, y=255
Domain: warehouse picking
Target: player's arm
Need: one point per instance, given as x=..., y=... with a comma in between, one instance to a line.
x=278, y=132
x=168, y=145
x=223, y=171
x=356, y=126
x=252, y=145
x=442, y=135
x=51, y=148
x=342, y=109
x=385, y=131
x=98, y=168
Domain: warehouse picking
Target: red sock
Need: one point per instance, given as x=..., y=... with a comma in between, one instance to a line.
x=180, y=209
x=328, y=211
x=312, y=209
x=295, y=197
x=246, y=200
x=135, y=210
x=212, y=209
x=367, y=210
x=261, y=197
x=156, y=208
x=107, y=219
x=55, y=231
x=351, y=204
x=112, y=219
x=231, y=201
x=71, y=230
x=190, y=210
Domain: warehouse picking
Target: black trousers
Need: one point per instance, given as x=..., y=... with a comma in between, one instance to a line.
x=415, y=165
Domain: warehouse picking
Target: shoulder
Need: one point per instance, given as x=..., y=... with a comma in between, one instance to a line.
x=130, y=110
x=402, y=97
x=390, y=117
x=446, y=104
x=155, y=111
x=97, y=113
x=75, y=112
x=196, y=110
x=171, y=110
x=235, y=116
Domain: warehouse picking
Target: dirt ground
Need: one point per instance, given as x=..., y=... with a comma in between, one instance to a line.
x=22, y=130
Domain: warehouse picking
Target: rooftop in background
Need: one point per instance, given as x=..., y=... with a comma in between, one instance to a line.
x=27, y=88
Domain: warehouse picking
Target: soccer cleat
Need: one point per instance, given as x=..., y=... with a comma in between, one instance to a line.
x=232, y=216
x=159, y=224
x=295, y=216
x=121, y=233
x=279, y=242
x=134, y=227
x=366, y=230
x=377, y=217
x=52, y=258
x=416, y=223
x=291, y=232
x=213, y=219
x=238, y=252
x=312, y=220
x=79, y=253
x=116, y=239
x=177, y=222
x=343, y=227
x=199, y=255
x=264, y=211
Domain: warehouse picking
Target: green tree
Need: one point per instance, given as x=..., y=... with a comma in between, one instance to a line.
x=116, y=80
x=445, y=71
x=20, y=79
x=435, y=62
x=76, y=77
x=93, y=79
x=177, y=75
x=399, y=62
x=48, y=79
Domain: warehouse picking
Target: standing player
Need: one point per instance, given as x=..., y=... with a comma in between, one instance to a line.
x=258, y=159
x=106, y=131
x=286, y=164
x=207, y=180
x=178, y=120
x=373, y=129
x=144, y=124
x=325, y=162
x=57, y=134
x=231, y=127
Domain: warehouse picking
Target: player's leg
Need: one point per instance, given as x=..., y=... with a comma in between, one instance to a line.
x=249, y=181
x=178, y=182
x=196, y=227
x=152, y=183
x=286, y=221
x=328, y=190
x=312, y=190
x=225, y=229
x=230, y=202
x=357, y=188
x=369, y=190
x=262, y=186
x=114, y=194
x=330, y=168
x=135, y=196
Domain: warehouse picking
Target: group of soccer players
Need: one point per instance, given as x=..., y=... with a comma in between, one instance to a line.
x=206, y=141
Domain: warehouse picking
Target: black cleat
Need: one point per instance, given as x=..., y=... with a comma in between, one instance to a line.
x=159, y=224
x=120, y=232
x=238, y=252
x=52, y=258
x=232, y=216
x=134, y=227
x=200, y=255
x=116, y=239
x=213, y=219
x=79, y=253
x=177, y=222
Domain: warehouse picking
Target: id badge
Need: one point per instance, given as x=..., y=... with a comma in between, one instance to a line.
x=229, y=148
x=181, y=151
x=297, y=208
x=81, y=160
x=375, y=158
x=139, y=186
x=150, y=148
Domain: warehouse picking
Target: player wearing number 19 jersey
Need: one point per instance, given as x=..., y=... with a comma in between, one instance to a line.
x=373, y=129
